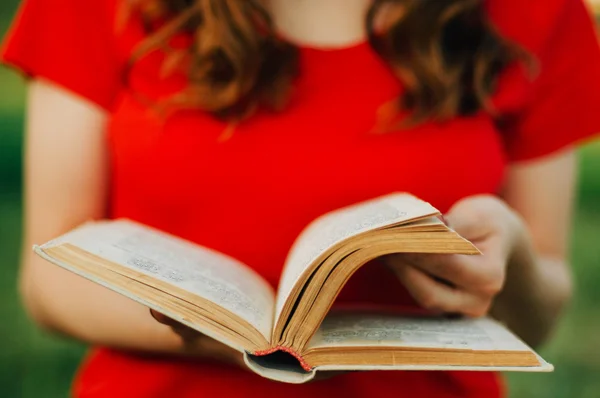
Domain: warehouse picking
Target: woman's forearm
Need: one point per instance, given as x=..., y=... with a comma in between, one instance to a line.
x=535, y=292
x=67, y=304
x=538, y=283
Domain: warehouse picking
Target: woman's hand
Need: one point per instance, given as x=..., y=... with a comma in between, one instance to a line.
x=461, y=284
x=197, y=344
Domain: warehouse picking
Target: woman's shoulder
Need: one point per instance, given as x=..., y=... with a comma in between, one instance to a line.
x=60, y=13
x=558, y=106
x=69, y=42
x=532, y=23
x=69, y=7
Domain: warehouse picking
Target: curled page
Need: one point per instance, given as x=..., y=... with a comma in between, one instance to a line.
x=335, y=227
x=197, y=270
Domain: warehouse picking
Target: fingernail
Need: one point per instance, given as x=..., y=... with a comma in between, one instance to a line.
x=444, y=220
x=158, y=317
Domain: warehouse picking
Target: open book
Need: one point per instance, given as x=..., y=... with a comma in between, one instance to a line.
x=289, y=334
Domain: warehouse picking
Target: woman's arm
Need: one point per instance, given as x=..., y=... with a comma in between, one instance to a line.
x=538, y=279
x=66, y=184
x=523, y=277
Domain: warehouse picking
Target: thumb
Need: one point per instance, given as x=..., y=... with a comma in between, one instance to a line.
x=185, y=332
x=468, y=219
x=165, y=320
x=161, y=318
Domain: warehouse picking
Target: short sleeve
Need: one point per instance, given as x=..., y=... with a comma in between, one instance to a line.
x=562, y=105
x=69, y=42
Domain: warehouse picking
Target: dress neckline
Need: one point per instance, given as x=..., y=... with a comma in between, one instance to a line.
x=341, y=51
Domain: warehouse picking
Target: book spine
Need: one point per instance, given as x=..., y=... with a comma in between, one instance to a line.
x=288, y=350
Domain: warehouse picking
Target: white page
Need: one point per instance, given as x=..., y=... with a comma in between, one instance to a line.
x=334, y=227
x=376, y=330
x=200, y=271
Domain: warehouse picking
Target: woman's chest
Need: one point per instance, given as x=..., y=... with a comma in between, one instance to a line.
x=250, y=194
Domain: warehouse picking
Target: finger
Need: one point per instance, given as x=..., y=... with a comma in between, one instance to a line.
x=172, y=323
x=476, y=217
x=467, y=225
x=438, y=297
x=162, y=318
x=402, y=260
x=185, y=332
x=469, y=220
x=483, y=274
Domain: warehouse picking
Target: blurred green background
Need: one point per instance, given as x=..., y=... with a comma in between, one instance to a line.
x=33, y=364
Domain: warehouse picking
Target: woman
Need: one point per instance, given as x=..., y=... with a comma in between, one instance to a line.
x=234, y=123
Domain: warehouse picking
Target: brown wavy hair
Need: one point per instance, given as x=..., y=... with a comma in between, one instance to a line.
x=446, y=53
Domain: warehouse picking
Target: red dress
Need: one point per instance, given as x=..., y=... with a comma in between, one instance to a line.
x=251, y=195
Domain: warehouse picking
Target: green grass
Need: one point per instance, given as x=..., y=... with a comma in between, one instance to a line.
x=32, y=363
x=574, y=349
x=590, y=175
x=10, y=152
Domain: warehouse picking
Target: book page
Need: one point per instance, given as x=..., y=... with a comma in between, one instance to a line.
x=378, y=330
x=342, y=224
x=200, y=271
